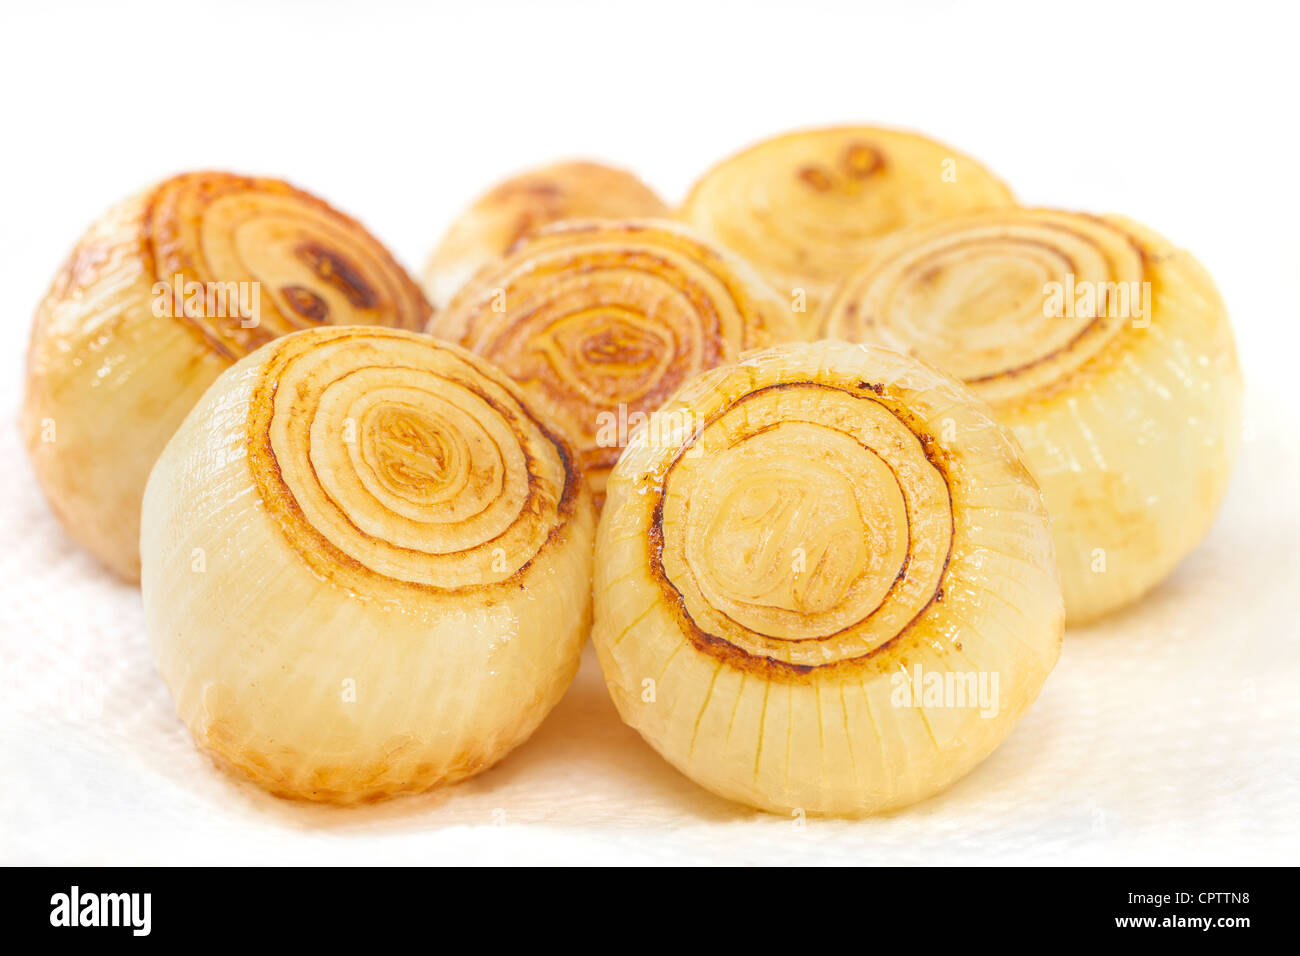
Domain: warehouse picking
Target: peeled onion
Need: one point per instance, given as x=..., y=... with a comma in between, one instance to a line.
x=523, y=205
x=600, y=321
x=366, y=565
x=162, y=294
x=792, y=544
x=806, y=207
x=1108, y=352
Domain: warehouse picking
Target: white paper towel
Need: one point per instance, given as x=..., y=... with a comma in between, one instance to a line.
x=1167, y=734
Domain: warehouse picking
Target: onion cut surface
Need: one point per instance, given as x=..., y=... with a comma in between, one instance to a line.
x=366, y=566
x=524, y=205
x=783, y=547
x=1106, y=350
x=601, y=321
x=162, y=294
x=806, y=207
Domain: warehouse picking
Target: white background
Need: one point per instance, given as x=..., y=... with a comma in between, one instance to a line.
x=1166, y=734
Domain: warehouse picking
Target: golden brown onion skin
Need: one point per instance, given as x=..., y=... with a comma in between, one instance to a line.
x=806, y=207
x=786, y=542
x=525, y=204
x=366, y=566
x=117, y=358
x=601, y=321
x=1105, y=348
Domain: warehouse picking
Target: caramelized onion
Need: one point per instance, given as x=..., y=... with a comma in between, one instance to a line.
x=366, y=565
x=601, y=321
x=161, y=295
x=525, y=204
x=1103, y=347
x=795, y=539
x=806, y=207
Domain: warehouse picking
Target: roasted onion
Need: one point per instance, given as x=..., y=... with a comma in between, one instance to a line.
x=793, y=545
x=525, y=204
x=806, y=207
x=1107, y=351
x=600, y=321
x=366, y=565
x=162, y=294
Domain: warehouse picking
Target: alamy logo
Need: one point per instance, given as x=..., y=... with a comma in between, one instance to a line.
x=209, y=300
x=665, y=429
x=102, y=909
x=973, y=690
x=1086, y=299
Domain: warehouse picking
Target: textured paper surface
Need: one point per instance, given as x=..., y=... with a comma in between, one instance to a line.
x=1167, y=734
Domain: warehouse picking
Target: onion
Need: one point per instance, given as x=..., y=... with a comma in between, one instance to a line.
x=1103, y=347
x=523, y=205
x=601, y=321
x=366, y=565
x=806, y=207
x=796, y=541
x=161, y=295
